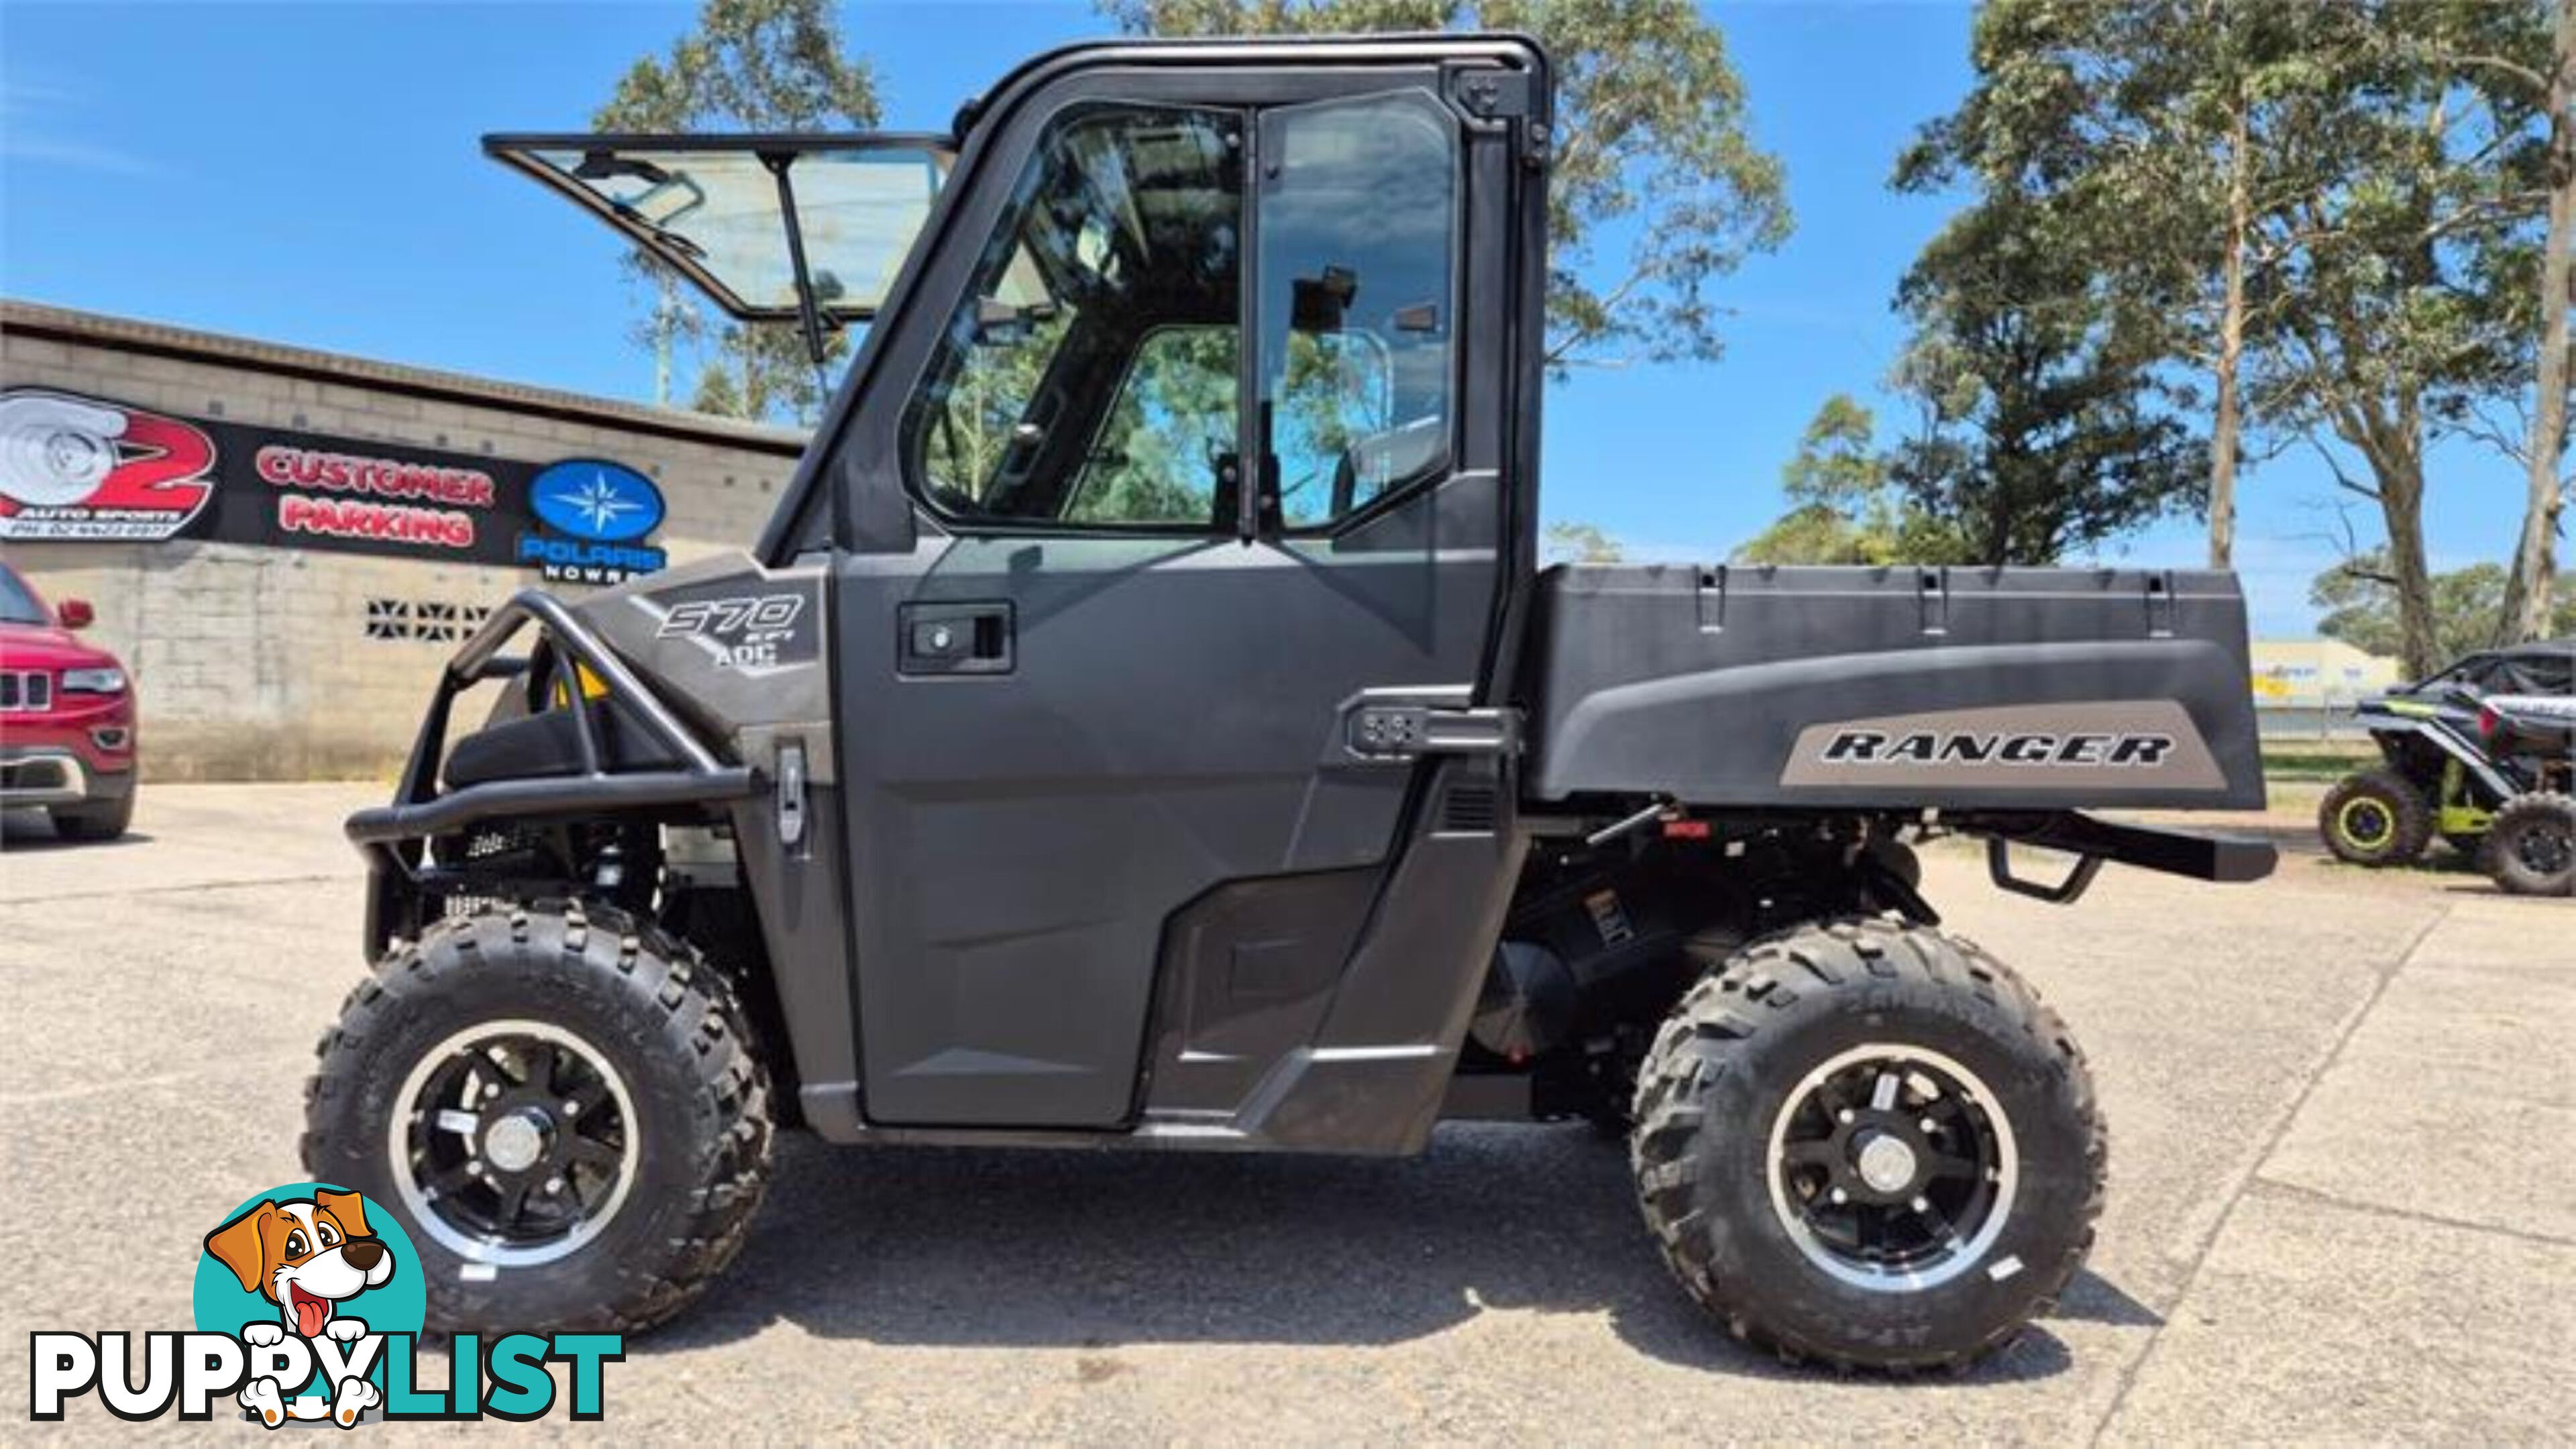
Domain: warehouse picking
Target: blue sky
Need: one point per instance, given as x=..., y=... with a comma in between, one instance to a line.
x=308, y=174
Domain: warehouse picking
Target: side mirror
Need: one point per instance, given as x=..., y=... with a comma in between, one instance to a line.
x=76, y=614
x=1317, y=304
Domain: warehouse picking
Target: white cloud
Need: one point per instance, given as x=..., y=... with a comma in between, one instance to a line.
x=21, y=147
x=25, y=140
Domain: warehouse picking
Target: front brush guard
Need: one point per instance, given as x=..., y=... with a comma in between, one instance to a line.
x=390, y=836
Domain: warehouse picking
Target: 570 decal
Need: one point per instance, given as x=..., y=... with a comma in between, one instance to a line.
x=743, y=631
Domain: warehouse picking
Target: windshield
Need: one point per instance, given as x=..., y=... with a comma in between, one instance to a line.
x=712, y=210
x=18, y=602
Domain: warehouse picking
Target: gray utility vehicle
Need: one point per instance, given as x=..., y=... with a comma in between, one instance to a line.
x=1144, y=724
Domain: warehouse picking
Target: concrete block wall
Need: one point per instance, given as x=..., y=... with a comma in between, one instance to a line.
x=256, y=663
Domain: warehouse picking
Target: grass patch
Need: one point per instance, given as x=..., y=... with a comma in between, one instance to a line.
x=2315, y=760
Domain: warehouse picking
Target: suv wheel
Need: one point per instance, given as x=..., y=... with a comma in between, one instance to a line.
x=2531, y=846
x=2376, y=817
x=104, y=821
x=563, y=1105
x=1869, y=1144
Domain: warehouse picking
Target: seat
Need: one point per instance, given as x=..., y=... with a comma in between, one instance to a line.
x=541, y=745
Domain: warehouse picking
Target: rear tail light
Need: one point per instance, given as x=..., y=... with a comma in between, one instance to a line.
x=2490, y=723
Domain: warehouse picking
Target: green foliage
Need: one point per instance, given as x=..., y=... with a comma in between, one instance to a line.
x=2360, y=603
x=1580, y=543
x=1845, y=506
x=749, y=65
x=2365, y=172
x=2045, y=426
x=1652, y=145
x=1157, y=459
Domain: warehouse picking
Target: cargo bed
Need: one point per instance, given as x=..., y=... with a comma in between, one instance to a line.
x=2012, y=688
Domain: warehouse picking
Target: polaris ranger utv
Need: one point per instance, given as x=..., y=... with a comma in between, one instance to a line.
x=1144, y=725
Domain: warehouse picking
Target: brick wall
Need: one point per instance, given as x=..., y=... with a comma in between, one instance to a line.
x=257, y=663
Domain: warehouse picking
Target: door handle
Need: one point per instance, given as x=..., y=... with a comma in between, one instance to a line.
x=970, y=638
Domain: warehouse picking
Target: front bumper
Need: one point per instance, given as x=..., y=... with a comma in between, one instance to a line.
x=46, y=775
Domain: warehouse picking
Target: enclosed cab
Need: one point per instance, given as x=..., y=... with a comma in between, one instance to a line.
x=1144, y=724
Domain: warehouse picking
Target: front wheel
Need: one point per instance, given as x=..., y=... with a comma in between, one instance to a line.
x=1869, y=1144
x=563, y=1105
x=2376, y=817
x=97, y=820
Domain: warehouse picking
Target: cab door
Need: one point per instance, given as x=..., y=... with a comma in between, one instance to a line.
x=1181, y=418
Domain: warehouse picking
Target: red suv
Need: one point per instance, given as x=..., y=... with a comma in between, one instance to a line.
x=66, y=718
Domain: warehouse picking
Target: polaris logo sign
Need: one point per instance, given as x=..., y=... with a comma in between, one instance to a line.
x=1924, y=747
x=592, y=517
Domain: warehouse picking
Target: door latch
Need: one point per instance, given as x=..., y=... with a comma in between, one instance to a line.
x=791, y=796
x=1396, y=731
x=971, y=638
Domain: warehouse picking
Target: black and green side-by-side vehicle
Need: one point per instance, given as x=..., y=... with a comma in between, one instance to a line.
x=2448, y=764
x=1144, y=724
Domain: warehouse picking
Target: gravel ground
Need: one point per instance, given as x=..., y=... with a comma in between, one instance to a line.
x=2339, y=1206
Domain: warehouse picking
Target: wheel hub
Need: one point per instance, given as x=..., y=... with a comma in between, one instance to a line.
x=2367, y=823
x=1886, y=1163
x=516, y=1142
x=1893, y=1168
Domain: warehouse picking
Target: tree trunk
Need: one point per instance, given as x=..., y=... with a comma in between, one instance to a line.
x=2399, y=472
x=2528, y=601
x=2231, y=343
x=666, y=308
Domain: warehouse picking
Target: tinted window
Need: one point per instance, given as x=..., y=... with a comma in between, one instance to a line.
x=1156, y=457
x=1358, y=296
x=1083, y=378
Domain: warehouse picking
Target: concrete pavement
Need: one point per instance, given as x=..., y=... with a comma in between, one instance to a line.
x=2340, y=1202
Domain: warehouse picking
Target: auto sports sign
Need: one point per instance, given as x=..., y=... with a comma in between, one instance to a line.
x=75, y=468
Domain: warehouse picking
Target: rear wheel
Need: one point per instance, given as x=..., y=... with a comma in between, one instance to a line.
x=2376, y=817
x=562, y=1104
x=1869, y=1144
x=2530, y=849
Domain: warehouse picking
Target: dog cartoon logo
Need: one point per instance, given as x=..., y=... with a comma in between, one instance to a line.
x=310, y=1301
x=316, y=1262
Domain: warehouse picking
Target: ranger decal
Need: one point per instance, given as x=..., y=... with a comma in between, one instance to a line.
x=2129, y=744
x=1923, y=747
